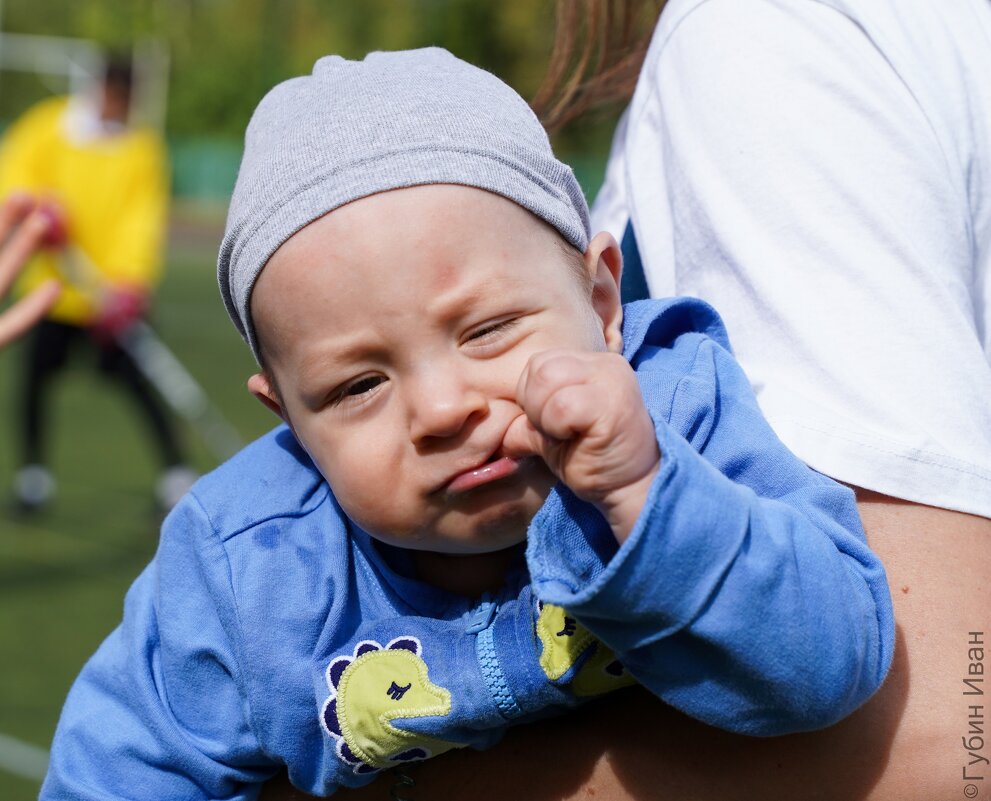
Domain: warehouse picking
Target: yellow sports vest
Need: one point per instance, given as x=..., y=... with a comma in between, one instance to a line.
x=114, y=192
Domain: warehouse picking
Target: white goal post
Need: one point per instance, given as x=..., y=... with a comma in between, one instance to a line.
x=77, y=63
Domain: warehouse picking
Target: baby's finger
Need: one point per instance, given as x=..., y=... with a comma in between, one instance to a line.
x=570, y=411
x=25, y=313
x=544, y=375
x=18, y=250
x=522, y=439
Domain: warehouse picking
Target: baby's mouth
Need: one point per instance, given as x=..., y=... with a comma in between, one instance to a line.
x=498, y=467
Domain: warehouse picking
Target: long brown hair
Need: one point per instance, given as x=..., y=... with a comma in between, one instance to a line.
x=599, y=47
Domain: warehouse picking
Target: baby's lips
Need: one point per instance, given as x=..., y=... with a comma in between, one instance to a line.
x=521, y=439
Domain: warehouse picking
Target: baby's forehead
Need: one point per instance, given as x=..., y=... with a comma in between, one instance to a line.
x=438, y=251
x=446, y=217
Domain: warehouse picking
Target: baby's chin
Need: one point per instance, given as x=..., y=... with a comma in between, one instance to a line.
x=488, y=520
x=491, y=535
x=467, y=574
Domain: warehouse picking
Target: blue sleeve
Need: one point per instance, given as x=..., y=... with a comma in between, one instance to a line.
x=159, y=711
x=746, y=595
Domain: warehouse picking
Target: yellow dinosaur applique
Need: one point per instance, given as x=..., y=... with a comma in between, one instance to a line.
x=565, y=641
x=374, y=687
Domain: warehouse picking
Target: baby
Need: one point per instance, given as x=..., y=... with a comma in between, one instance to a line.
x=498, y=492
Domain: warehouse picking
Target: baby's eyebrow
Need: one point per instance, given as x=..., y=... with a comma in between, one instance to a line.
x=459, y=300
x=333, y=354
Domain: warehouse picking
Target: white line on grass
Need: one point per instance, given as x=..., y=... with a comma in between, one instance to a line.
x=22, y=759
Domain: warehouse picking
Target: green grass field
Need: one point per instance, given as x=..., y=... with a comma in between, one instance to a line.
x=63, y=574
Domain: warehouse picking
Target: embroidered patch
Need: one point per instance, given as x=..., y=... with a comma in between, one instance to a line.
x=370, y=689
x=565, y=641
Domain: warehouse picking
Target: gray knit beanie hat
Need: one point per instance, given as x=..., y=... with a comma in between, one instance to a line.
x=354, y=128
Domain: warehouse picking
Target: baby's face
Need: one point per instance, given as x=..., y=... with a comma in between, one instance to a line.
x=396, y=329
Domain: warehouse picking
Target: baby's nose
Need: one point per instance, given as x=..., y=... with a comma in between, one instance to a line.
x=442, y=402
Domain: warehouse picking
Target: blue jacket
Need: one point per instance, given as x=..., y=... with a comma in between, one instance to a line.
x=268, y=631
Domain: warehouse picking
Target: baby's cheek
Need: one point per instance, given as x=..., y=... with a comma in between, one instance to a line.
x=378, y=506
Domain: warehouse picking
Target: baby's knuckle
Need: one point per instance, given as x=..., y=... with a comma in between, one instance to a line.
x=553, y=370
x=558, y=406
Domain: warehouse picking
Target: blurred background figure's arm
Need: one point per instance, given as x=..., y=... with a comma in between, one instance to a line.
x=22, y=230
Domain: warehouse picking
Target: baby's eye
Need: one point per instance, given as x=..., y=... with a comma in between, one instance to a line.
x=360, y=387
x=493, y=328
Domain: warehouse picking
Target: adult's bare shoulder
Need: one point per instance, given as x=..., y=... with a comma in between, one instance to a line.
x=903, y=745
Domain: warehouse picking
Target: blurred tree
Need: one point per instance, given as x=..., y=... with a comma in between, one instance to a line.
x=226, y=53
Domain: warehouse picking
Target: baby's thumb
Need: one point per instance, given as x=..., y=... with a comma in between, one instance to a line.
x=522, y=439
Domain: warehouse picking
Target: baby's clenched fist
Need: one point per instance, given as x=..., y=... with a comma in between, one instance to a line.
x=584, y=416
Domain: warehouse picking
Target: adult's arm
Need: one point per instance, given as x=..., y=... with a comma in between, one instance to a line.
x=903, y=745
x=813, y=169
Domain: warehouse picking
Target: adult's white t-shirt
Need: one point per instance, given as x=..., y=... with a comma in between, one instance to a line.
x=820, y=171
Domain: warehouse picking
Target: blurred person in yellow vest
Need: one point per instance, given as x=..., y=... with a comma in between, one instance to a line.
x=104, y=187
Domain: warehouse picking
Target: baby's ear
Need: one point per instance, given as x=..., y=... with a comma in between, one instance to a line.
x=263, y=388
x=604, y=262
